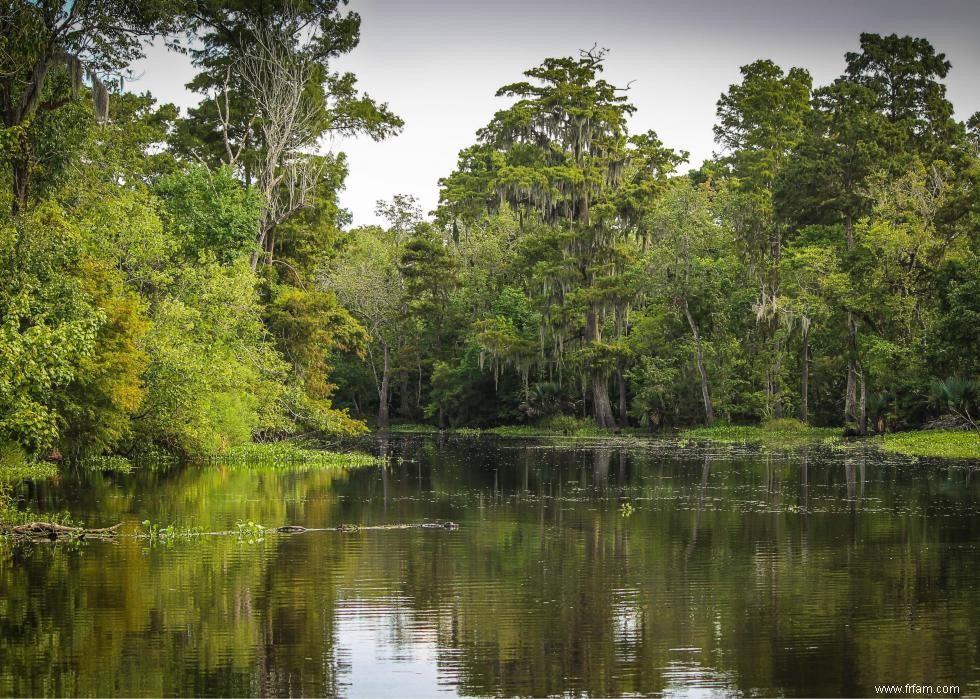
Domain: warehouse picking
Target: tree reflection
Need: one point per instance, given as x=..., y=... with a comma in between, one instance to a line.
x=545, y=589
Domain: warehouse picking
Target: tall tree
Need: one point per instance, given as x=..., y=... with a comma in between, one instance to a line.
x=691, y=262
x=760, y=121
x=904, y=74
x=271, y=96
x=368, y=281
x=565, y=147
x=47, y=48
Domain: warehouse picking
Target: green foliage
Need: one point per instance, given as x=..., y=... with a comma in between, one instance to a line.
x=188, y=283
x=49, y=325
x=213, y=379
x=107, y=389
x=652, y=382
x=958, y=396
x=209, y=212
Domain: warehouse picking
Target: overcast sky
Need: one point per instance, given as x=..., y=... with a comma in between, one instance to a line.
x=438, y=64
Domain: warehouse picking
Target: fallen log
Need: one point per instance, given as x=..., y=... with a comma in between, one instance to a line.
x=49, y=531
x=52, y=532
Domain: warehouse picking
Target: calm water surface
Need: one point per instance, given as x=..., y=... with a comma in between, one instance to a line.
x=738, y=573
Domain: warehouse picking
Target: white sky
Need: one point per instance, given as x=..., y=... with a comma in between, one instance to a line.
x=438, y=64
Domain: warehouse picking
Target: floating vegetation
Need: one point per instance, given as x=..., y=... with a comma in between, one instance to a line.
x=157, y=533
x=251, y=532
x=12, y=473
x=412, y=428
x=785, y=433
x=113, y=463
x=946, y=444
x=292, y=455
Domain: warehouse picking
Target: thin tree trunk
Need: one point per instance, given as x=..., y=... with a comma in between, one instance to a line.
x=383, y=397
x=621, y=386
x=709, y=413
x=863, y=418
x=805, y=388
x=405, y=408
x=850, y=391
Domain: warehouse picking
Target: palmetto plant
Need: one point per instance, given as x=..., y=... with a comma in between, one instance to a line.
x=957, y=395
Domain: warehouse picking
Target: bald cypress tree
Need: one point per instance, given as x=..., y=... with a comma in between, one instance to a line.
x=565, y=159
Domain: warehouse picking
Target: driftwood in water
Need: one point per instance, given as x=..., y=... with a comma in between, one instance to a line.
x=41, y=531
x=350, y=528
x=48, y=531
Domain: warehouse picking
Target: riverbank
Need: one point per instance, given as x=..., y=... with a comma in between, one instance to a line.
x=786, y=433
x=564, y=426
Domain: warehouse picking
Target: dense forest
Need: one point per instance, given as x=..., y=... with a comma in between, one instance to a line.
x=190, y=282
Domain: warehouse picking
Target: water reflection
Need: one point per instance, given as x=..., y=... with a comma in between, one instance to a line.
x=798, y=573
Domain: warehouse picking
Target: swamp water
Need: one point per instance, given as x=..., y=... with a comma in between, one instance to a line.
x=579, y=568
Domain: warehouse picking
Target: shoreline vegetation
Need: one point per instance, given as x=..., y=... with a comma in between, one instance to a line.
x=785, y=433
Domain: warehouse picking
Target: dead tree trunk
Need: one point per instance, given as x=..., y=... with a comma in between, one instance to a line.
x=383, y=397
x=805, y=382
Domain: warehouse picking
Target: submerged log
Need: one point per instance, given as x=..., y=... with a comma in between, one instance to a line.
x=38, y=531
x=49, y=531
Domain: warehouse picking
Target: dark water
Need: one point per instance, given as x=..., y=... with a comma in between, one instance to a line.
x=737, y=573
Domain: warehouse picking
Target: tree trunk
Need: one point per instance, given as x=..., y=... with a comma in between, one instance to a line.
x=709, y=413
x=863, y=417
x=850, y=391
x=600, y=399
x=621, y=386
x=383, y=398
x=261, y=236
x=405, y=408
x=600, y=388
x=777, y=406
x=21, y=184
x=805, y=387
